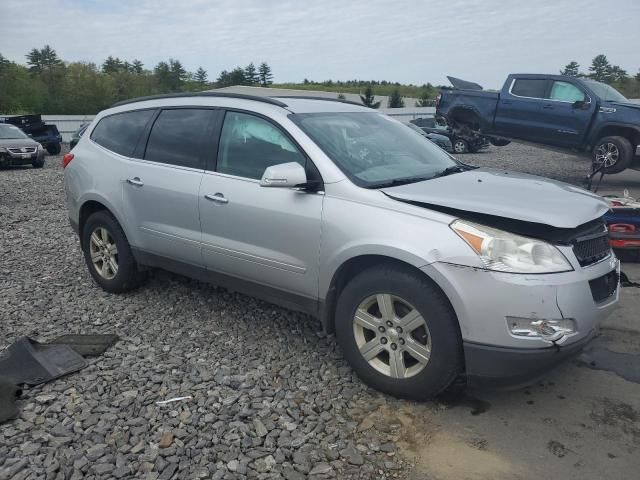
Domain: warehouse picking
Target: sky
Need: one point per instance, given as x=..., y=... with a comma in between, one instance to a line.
x=409, y=41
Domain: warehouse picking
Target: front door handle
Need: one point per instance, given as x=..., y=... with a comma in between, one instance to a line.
x=135, y=181
x=548, y=107
x=218, y=198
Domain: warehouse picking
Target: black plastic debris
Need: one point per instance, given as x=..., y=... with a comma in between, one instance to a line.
x=29, y=362
x=9, y=393
x=87, y=345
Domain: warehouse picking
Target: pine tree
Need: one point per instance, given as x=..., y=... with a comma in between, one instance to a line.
x=600, y=68
x=251, y=74
x=137, y=67
x=368, y=100
x=112, y=65
x=571, y=69
x=425, y=98
x=43, y=59
x=395, y=100
x=200, y=77
x=265, y=74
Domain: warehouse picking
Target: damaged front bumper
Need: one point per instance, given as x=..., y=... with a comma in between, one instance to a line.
x=563, y=310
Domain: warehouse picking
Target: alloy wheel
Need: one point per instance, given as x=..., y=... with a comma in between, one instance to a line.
x=607, y=154
x=459, y=147
x=104, y=253
x=392, y=336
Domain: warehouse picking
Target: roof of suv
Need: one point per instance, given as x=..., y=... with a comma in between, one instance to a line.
x=295, y=104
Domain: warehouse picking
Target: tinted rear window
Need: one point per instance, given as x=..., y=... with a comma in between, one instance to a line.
x=529, y=88
x=120, y=132
x=179, y=137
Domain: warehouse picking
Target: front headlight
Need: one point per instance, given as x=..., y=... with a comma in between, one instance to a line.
x=507, y=252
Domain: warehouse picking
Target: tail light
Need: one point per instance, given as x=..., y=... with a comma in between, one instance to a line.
x=66, y=160
x=622, y=228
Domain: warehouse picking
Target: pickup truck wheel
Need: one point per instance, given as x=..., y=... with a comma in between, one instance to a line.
x=108, y=255
x=460, y=146
x=616, y=153
x=399, y=332
x=54, y=149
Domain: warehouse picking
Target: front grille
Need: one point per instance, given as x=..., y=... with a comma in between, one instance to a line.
x=592, y=248
x=23, y=150
x=605, y=286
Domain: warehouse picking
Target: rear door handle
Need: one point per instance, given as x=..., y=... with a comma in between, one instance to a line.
x=548, y=107
x=135, y=181
x=218, y=198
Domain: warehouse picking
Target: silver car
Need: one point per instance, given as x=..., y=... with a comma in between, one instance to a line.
x=429, y=271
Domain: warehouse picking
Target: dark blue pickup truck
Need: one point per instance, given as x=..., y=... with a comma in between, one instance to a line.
x=558, y=111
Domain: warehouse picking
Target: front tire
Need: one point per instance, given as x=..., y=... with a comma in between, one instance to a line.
x=615, y=152
x=399, y=332
x=460, y=146
x=108, y=255
x=38, y=163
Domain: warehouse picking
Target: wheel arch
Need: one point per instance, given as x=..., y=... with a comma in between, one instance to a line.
x=631, y=133
x=349, y=269
x=94, y=204
x=467, y=116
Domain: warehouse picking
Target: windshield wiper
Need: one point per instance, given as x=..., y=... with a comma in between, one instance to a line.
x=399, y=181
x=452, y=169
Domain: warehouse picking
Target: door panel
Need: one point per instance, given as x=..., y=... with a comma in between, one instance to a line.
x=161, y=191
x=519, y=111
x=164, y=209
x=267, y=235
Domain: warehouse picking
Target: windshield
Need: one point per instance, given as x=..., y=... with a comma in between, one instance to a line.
x=8, y=132
x=374, y=150
x=605, y=92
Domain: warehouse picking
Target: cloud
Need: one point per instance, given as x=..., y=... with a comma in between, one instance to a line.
x=407, y=41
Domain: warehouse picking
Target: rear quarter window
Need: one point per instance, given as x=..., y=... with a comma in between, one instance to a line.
x=121, y=132
x=534, y=88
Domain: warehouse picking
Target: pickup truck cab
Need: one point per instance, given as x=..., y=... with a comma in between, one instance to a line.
x=559, y=111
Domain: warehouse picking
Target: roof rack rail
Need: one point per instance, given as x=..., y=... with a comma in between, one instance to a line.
x=327, y=99
x=242, y=96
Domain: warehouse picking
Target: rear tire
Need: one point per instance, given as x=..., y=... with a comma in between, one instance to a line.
x=108, y=255
x=54, y=149
x=616, y=153
x=460, y=146
x=415, y=362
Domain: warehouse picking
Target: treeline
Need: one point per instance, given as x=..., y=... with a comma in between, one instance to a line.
x=603, y=71
x=48, y=85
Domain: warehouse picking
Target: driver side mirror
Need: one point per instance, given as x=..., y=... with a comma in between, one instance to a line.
x=284, y=175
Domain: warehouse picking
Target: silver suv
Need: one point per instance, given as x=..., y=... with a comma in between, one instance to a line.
x=428, y=270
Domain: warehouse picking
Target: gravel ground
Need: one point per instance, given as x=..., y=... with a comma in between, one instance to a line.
x=272, y=396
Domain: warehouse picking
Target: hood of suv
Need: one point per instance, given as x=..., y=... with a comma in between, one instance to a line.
x=510, y=195
x=17, y=143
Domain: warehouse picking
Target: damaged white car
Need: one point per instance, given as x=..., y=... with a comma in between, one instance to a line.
x=428, y=270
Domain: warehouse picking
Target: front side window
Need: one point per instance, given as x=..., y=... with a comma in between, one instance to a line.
x=249, y=144
x=121, y=132
x=566, y=92
x=533, y=88
x=372, y=149
x=179, y=137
